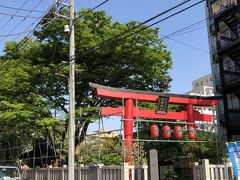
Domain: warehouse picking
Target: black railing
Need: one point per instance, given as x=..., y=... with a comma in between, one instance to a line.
x=227, y=37
x=232, y=76
x=218, y=6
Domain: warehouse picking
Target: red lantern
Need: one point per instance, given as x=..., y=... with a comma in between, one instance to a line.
x=154, y=130
x=191, y=133
x=178, y=132
x=166, y=132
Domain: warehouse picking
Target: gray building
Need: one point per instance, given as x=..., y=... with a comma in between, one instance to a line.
x=224, y=30
x=203, y=86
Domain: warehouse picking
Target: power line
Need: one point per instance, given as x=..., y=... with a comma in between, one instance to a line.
x=24, y=32
x=15, y=34
x=18, y=46
x=44, y=25
x=168, y=36
x=187, y=28
x=185, y=44
x=20, y=9
x=91, y=10
x=111, y=40
x=24, y=18
x=50, y=22
x=24, y=41
x=189, y=31
x=14, y=14
x=164, y=36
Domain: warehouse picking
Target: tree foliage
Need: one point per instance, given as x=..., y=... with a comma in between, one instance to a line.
x=212, y=149
x=103, y=150
x=31, y=89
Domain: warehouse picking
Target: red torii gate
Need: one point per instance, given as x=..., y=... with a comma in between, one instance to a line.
x=129, y=96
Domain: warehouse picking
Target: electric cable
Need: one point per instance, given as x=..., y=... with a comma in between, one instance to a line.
x=161, y=21
x=185, y=44
x=24, y=18
x=24, y=41
x=189, y=31
x=12, y=16
x=21, y=16
x=50, y=22
x=20, y=9
x=198, y=23
x=187, y=28
x=47, y=12
x=15, y=34
x=176, y=13
x=90, y=10
x=111, y=39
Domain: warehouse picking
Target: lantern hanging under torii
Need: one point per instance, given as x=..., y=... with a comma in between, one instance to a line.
x=178, y=132
x=166, y=132
x=191, y=132
x=154, y=130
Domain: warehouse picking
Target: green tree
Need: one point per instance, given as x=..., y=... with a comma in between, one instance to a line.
x=211, y=149
x=140, y=61
x=22, y=111
x=102, y=149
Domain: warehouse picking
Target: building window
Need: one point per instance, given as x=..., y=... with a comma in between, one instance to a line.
x=209, y=91
x=196, y=85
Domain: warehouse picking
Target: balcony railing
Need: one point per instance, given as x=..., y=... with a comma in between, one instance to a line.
x=220, y=5
x=232, y=76
x=227, y=37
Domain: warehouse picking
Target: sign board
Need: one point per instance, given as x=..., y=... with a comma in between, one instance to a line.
x=153, y=164
x=234, y=156
x=162, y=105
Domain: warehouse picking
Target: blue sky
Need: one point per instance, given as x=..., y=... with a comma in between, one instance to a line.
x=188, y=63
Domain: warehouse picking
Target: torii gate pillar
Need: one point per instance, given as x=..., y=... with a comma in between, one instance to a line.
x=128, y=129
x=190, y=116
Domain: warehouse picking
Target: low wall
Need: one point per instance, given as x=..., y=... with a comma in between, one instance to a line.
x=123, y=172
x=207, y=171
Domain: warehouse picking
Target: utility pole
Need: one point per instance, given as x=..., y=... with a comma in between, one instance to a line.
x=71, y=141
x=71, y=86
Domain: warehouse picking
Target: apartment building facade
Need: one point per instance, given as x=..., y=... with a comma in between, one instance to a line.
x=224, y=39
x=203, y=86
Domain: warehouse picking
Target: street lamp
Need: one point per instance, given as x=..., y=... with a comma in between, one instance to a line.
x=64, y=76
